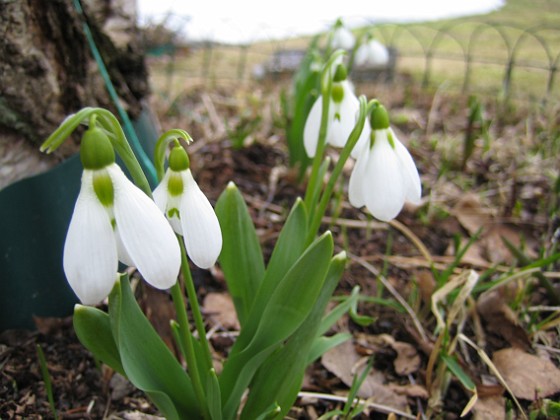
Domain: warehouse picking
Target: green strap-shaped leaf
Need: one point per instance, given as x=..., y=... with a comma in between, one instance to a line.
x=290, y=304
x=213, y=396
x=146, y=360
x=241, y=257
x=93, y=329
x=279, y=379
x=288, y=248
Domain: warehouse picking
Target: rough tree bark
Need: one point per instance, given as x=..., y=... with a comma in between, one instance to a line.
x=48, y=72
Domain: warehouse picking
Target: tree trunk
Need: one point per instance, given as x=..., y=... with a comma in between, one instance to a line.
x=47, y=71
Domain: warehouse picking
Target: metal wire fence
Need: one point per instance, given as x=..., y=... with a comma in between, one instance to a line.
x=492, y=58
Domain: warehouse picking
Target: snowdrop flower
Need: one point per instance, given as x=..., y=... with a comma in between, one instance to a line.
x=385, y=175
x=371, y=53
x=341, y=37
x=343, y=107
x=114, y=220
x=189, y=211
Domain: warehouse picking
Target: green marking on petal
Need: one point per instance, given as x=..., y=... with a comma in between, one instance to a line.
x=113, y=223
x=175, y=184
x=173, y=212
x=372, y=139
x=337, y=93
x=103, y=187
x=391, y=139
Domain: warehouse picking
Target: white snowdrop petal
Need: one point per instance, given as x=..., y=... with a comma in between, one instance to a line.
x=413, y=186
x=145, y=233
x=161, y=193
x=202, y=233
x=361, y=55
x=384, y=192
x=165, y=202
x=121, y=250
x=362, y=141
x=378, y=53
x=341, y=128
x=358, y=179
x=90, y=253
x=312, y=126
x=343, y=38
x=175, y=223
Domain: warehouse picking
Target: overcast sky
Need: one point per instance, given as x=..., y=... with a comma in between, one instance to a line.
x=249, y=20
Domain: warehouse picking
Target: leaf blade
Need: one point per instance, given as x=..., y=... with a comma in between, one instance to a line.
x=241, y=257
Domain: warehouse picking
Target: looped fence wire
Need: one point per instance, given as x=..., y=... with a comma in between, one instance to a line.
x=487, y=58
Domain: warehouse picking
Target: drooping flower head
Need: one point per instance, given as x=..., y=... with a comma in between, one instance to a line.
x=371, y=53
x=343, y=106
x=188, y=210
x=114, y=220
x=384, y=176
x=341, y=37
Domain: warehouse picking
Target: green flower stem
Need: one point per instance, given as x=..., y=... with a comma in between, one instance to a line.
x=161, y=147
x=317, y=215
x=110, y=123
x=195, y=308
x=55, y=140
x=312, y=192
x=187, y=341
x=114, y=131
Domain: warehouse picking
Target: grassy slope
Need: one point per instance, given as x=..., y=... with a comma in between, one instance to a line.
x=451, y=41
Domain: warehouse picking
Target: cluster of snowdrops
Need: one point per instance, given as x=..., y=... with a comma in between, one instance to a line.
x=281, y=304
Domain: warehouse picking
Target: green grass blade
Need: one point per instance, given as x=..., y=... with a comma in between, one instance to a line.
x=46, y=379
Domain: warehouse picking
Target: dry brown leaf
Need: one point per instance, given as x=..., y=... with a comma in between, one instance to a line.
x=475, y=254
x=495, y=249
x=529, y=377
x=490, y=408
x=407, y=360
x=221, y=310
x=343, y=361
x=411, y=390
x=500, y=319
x=426, y=285
x=473, y=216
x=470, y=213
